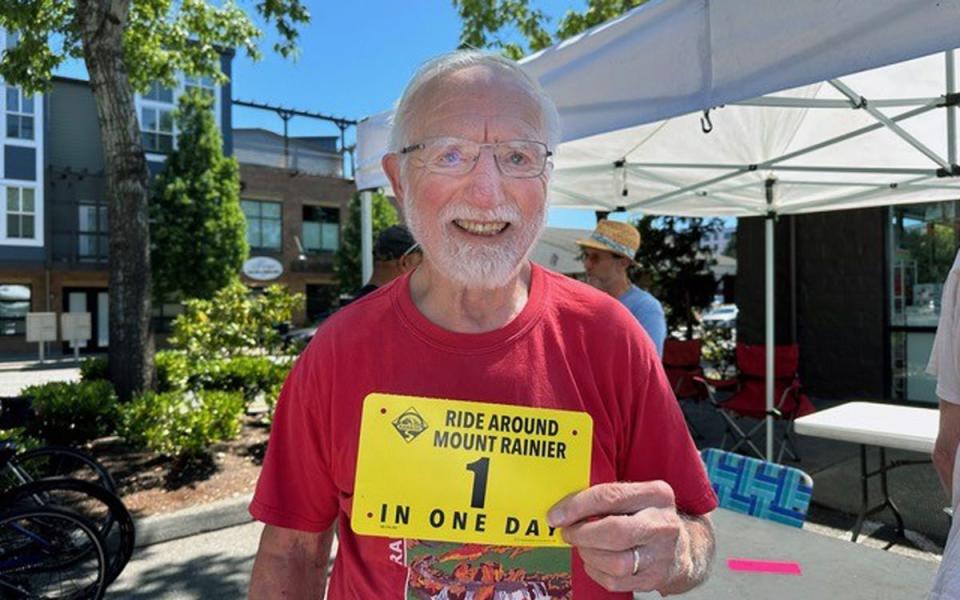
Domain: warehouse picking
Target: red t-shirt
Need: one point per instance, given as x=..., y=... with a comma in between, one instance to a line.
x=571, y=348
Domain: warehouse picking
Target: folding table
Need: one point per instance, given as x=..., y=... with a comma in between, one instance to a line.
x=882, y=426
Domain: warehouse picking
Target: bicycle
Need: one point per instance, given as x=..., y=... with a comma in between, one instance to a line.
x=50, y=462
x=50, y=553
x=104, y=510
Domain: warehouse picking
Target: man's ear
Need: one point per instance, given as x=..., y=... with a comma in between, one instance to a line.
x=391, y=166
x=409, y=261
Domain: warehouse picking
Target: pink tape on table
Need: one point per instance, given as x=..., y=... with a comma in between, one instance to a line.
x=763, y=566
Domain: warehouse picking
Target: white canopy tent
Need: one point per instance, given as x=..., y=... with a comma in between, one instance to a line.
x=630, y=94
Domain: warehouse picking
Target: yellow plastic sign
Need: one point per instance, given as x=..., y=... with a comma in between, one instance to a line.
x=470, y=472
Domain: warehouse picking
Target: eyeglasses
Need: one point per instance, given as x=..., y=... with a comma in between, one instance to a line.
x=520, y=159
x=594, y=255
x=414, y=248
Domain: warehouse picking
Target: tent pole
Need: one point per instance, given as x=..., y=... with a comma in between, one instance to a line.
x=951, y=110
x=366, y=236
x=769, y=300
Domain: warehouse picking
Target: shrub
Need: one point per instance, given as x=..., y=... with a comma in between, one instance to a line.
x=719, y=350
x=173, y=370
x=94, y=368
x=270, y=397
x=234, y=322
x=74, y=412
x=20, y=438
x=179, y=424
x=251, y=375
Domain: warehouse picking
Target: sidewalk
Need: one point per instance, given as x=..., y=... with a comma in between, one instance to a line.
x=20, y=372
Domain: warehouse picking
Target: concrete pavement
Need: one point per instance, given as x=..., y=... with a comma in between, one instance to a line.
x=208, y=566
x=18, y=374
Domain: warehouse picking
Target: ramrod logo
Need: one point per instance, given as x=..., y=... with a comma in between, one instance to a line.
x=409, y=424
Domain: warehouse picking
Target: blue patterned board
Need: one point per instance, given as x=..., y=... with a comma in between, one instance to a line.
x=759, y=488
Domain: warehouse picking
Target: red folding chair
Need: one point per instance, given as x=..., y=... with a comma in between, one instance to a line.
x=681, y=362
x=749, y=396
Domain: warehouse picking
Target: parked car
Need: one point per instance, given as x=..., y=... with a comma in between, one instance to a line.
x=723, y=315
x=301, y=336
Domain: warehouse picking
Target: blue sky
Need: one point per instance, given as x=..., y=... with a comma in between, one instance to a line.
x=355, y=57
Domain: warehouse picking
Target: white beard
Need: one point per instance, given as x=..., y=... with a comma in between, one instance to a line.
x=476, y=265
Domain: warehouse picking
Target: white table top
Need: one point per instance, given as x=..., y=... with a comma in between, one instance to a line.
x=830, y=567
x=887, y=425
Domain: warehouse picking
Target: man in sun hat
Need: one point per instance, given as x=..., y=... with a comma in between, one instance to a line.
x=607, y=256
x=479, y=324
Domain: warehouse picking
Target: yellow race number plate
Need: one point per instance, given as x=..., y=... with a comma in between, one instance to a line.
x=470, y=472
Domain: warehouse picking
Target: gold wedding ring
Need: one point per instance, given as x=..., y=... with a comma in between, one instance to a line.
x=636, y=560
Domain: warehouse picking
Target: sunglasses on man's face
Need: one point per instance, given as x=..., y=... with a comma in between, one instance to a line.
x=595, y=255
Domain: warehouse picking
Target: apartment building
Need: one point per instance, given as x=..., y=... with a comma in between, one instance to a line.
x=53, y=230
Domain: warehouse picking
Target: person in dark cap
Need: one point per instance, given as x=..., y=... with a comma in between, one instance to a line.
x=394, y=253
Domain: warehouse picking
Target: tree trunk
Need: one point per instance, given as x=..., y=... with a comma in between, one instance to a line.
x=101, y=24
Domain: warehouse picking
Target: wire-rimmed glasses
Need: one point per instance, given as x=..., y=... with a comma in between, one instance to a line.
x=521, y=159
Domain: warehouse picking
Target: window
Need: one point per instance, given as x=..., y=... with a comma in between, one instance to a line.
x=156, y=107
x=264, y=224
x=321, y=229
x=21, y=213
x=203, y=82
x=924, y=241
x=165, y=313
x=156, y=126
x=156, y=119
x=19, y=114
x=158, y=93
x=14, y=306
x=92, y=232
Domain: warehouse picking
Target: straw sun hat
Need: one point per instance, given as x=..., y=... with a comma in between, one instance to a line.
x=619, y=238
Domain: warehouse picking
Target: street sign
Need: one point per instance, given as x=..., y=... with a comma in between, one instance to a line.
x=75, y=326
x=469, y=472
x=76, y=329
x=262, y=268
x=42, y=327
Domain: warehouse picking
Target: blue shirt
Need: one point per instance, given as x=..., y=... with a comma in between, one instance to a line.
x=649, y=312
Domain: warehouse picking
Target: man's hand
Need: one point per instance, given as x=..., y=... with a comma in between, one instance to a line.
x=631, y=537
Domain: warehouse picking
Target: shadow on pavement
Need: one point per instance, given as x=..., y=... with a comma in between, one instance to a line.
x=206, y=576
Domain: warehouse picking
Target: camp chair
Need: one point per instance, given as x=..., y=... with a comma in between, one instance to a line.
x=749, y=396
x=758, y=488
x=681, y=363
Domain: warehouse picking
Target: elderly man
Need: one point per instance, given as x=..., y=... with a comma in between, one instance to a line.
x=607, y=256
x=477, y=321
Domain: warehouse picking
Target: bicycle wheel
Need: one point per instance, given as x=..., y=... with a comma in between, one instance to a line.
x=56, y=461
x=50, y=553
x=103, y=509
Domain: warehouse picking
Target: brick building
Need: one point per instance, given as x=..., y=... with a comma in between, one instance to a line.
x=294, y=197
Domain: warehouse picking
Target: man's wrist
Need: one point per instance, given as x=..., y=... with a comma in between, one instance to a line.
x=694, y=555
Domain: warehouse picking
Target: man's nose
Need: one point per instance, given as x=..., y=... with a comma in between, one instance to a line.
x=486, y=181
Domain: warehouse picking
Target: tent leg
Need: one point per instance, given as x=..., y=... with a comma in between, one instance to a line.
x=769, y=300
x=951, y=110
x=366, y=236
